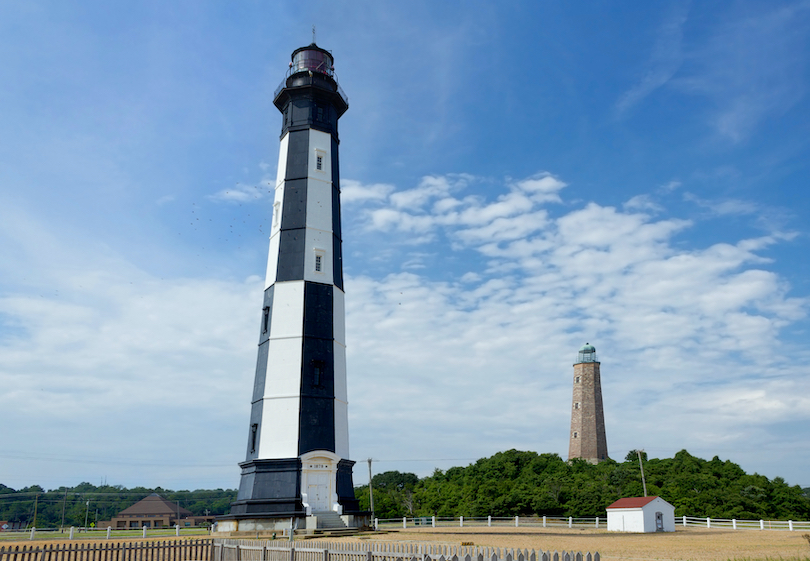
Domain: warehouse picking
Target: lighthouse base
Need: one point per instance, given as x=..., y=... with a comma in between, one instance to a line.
x=227, y=526
x=269, y=489
x=274, y=492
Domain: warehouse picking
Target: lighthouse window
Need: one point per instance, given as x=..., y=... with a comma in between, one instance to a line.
x=265, y=319
x=317, y=371
x=575, y=435
x=254, y=429
x=320, y=160
x=576, y=406
x=318, y=263
x=576, y=379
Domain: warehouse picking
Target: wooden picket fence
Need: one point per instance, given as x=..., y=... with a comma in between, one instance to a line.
x=319, y=550
x=163, y=550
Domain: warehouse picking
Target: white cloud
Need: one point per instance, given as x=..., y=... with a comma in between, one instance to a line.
x=670, y=186
x=242, y=193
x=724, y=207
x=432, y=204
x=747, y=68
x=666, y=319
x=429, y=188
x=352, y=191
x=665, y=59
x=642, y=203
x=484, y=354
x=543, y=187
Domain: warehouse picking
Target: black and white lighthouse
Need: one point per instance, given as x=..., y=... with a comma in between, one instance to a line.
x=298, y=438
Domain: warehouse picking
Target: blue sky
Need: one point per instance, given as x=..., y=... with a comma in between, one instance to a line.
x=518, y=179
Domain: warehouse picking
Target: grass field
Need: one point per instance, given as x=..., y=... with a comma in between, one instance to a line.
x=684, y=544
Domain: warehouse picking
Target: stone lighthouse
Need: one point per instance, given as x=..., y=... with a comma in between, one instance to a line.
x=296, y=464
x=587, y=438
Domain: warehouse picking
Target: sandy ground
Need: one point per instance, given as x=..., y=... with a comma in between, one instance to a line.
x=688, y=544
x=684, y=544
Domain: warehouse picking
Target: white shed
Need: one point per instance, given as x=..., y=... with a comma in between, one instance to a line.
x=641, y=514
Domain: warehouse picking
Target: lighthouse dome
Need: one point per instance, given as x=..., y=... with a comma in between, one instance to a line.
x=587, y=353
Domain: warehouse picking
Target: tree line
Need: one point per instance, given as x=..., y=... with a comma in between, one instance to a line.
x=72, y=506
x=515, y=483
x=511, y=483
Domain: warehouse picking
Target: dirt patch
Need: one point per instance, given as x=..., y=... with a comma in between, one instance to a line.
x=689, y=544
x=685, y=544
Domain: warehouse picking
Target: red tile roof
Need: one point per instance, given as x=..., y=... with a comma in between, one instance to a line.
x=632, y=502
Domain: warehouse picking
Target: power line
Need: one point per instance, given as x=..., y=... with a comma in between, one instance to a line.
x=121, y=461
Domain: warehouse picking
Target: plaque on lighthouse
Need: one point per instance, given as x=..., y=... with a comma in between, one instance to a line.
x=297, y=457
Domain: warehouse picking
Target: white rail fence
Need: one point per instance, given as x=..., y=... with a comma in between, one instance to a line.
x=105, y=533
x=572, y=522
x=318, y=550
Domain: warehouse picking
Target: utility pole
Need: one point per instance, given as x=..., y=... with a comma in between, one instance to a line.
x=86, y=514
x=643, y=482
x=62, y=527
x=370, y=492
x=36, y=502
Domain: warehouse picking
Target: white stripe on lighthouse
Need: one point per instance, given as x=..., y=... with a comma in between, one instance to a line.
x=288, y=311
x=341, y=429
x=278, y=208
x=279, y=428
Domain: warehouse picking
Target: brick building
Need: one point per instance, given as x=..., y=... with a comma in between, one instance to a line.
x=154, y=512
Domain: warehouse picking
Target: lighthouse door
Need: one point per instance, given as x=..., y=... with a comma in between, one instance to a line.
x=318, y=491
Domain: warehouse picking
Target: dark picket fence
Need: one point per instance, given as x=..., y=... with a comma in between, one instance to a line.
x=259, y=550
x=163, y=550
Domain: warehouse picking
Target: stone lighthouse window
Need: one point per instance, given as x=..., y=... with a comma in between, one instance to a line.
x=576, y=406
x=319, y=163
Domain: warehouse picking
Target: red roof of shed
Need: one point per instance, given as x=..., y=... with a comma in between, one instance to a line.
x=632, y=502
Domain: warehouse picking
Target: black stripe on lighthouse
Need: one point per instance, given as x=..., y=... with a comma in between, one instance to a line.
x=254, y=432
x=337, y=252
x=317, y=412
x=292, y=235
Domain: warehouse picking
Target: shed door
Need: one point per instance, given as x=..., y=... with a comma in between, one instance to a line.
x=659, y=521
